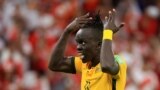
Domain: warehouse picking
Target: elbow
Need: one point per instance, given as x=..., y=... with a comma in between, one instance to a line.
x=109, y=69
x=52, y=67
x=105, y=69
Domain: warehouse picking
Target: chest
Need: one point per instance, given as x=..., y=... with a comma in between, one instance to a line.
x=95, y=79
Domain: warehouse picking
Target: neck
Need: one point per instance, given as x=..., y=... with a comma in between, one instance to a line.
x=93, y=62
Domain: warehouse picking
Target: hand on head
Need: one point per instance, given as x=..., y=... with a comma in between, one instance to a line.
x=79, y=22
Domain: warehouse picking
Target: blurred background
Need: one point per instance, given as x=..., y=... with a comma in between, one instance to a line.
x=29, y=30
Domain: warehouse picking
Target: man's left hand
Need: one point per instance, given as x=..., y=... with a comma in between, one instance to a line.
x=110, y=22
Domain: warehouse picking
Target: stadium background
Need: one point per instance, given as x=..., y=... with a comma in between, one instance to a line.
x=29, y=30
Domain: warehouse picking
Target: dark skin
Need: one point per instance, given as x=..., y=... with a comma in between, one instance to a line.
x=86, y=41
x=108, y=64
x=89, y=47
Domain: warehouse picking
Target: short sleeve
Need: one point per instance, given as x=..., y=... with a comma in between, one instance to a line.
x=78, y=64
x=122, y=67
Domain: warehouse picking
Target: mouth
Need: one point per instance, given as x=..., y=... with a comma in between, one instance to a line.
x=81, y=55
x=80, y=52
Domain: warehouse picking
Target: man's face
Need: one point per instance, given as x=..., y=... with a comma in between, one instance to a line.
x=87, y=46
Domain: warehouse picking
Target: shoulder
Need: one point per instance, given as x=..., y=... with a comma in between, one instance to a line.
x=78, y=64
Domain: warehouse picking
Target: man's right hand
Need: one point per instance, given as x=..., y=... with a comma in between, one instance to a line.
x=78, y=23
x=58, y=61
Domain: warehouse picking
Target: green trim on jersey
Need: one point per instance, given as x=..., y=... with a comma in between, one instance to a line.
x=118, y=59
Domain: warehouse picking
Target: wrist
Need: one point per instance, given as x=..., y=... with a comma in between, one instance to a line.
x=107, y=34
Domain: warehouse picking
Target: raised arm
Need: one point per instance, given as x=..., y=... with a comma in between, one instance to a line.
x=57, y=61
x=108, y=63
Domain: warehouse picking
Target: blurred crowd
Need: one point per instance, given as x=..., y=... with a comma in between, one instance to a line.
x=29, y=30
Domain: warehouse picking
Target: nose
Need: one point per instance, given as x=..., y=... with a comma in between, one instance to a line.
x=79, y=48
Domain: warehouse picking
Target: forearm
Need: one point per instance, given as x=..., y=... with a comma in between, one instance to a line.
x=58, y=53
x=106, y=53
x=108, y=63
x=107, y=60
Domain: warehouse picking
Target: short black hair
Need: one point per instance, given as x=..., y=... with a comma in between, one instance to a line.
x=96, y=22
x=96, y=26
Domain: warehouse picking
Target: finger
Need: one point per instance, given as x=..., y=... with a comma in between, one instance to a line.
x=90, y=18
x=110, y=16
x=84, y=22
x=113, y=15
x=106, y=18
x=121, y=25
x=105, y=21
x=82, y=25
x=85, y=19
x=86, y=15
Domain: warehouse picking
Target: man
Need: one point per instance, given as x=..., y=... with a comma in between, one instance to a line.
x=100, y=69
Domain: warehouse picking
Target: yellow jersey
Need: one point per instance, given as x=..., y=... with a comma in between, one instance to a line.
x=95, y=79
